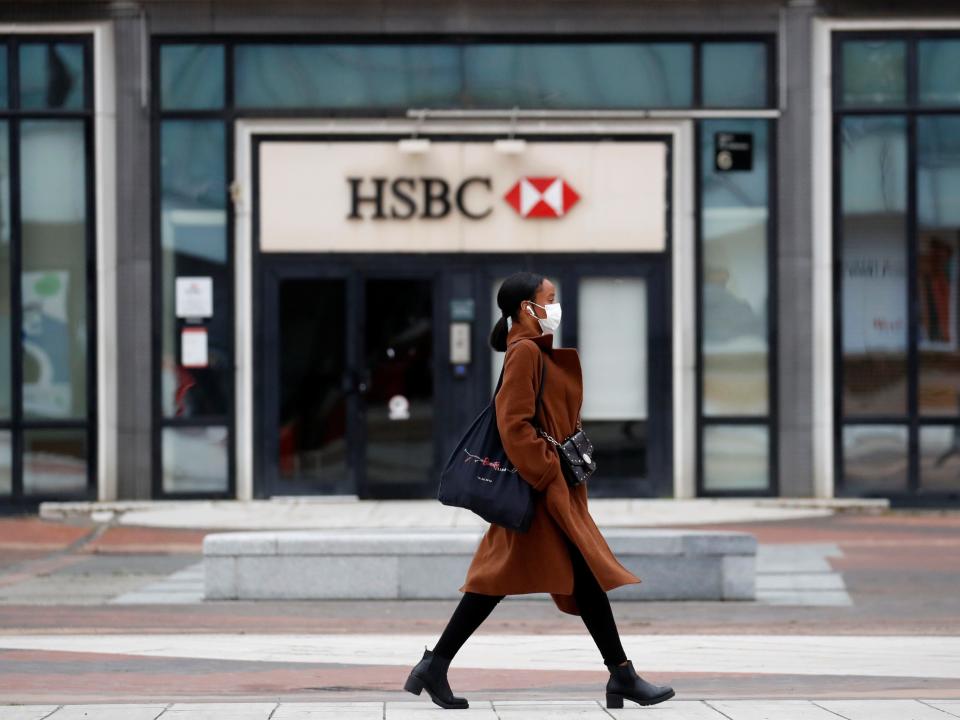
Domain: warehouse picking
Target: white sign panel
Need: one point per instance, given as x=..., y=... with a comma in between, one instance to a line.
x=193, y=347
x=194, y=297
x=462, y=196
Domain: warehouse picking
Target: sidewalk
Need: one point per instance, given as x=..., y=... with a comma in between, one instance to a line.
x=900, y=709
x=348, y=512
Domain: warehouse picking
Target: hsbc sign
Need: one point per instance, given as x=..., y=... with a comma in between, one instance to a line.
x=367, y=196
x=434, y=198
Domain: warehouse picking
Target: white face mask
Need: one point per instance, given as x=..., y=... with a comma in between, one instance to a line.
x=552, y=321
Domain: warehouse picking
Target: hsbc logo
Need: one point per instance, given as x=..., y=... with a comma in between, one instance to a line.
x=541, y=197
x=434, y=198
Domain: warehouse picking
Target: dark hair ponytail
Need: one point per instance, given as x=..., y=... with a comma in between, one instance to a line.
x=515, y=289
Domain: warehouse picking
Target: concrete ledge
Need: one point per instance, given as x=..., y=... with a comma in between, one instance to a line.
x=407, y=564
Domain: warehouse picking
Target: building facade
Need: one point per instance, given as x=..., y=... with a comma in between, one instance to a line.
x=251, y=249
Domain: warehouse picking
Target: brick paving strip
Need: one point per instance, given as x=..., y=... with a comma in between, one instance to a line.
x=849, y=709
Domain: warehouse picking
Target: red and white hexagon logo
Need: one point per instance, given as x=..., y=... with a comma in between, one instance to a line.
x=541, y=197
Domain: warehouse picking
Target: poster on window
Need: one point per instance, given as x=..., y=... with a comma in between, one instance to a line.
x=874, y=294
x=46, y=344
x=937, y=264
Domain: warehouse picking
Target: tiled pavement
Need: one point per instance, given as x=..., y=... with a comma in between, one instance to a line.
x=912, y=709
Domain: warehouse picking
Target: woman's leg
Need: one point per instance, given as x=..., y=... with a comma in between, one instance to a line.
x=595, y=610
x=473, y=609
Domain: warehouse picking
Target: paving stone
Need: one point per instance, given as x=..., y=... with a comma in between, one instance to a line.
x=426, y=710
x=673, y=710
x=108, y=712
x=771, y=710
x=885, y=710
x=800, y=581
x=26, y=712
x=219, y=711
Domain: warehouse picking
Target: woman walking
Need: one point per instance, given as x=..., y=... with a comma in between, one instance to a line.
x=563, y=553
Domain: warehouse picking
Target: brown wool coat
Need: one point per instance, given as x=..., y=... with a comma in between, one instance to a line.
x=508, y=562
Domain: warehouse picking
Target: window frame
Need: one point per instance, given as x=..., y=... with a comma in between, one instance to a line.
x=913, y=494
x=17, y=424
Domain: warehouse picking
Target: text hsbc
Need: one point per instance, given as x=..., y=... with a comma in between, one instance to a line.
x=429, y=198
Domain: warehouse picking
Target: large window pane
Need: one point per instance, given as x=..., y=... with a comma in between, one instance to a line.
x=579, y=76
x=54, y=461
x=51, y=76
x=191, y=77
x=734, y=74
x=940, y=458
x=347, y=76
x=874, y=459
x=194, y=244
x=612, y=313
x=54, y=280
x=735, y=457
x=734, y=221
x=874, y=280
x=937, y=77
x=195, y=459
x=874, y=72
x=5, y=316
x=938, y=251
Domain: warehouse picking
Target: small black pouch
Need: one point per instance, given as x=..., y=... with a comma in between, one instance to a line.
x=576, y=456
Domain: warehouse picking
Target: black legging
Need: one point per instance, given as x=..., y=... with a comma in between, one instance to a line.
x=594, y=606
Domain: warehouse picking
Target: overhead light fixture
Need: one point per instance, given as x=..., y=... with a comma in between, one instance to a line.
x=413, y=145
x=510, y=146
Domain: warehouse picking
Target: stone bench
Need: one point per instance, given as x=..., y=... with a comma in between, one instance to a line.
x=403, y=564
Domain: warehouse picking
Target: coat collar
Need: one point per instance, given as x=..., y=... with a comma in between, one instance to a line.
x=519, y=331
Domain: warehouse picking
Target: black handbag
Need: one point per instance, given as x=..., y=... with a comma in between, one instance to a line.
x=576, y=455
x=480, y=477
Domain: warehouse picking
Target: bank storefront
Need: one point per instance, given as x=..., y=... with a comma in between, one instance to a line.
x=272, y=268
x=367, y=234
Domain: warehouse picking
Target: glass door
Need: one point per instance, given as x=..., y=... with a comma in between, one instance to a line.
x=345, y=382
x=397, y=393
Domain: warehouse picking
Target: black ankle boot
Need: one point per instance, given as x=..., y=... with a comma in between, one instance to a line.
x=430, y=674
x=625, y=683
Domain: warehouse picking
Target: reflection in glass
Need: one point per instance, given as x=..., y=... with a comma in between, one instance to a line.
x=496, y=362
x=874, y=72
x=313, y=405
x=51, y=76
x=53, y=210
x=54, y=461
x=735, y=457
x=734, y=222
x=5, y=312
x=874, y=281
x=938, y=82
x=938, y=258
x=346, y=76
x=940, y=458
x=195, y=459
x=874, y=458
x=6, y=462
x=608, y=75
x=479, y=75
x=191, y=77
x=734, y=74
x=194, y=243
x=399, y=392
